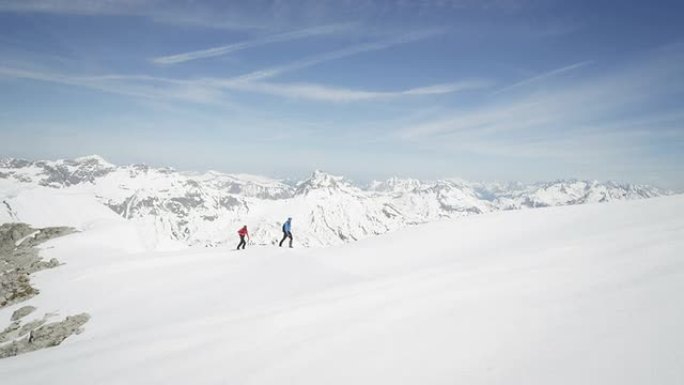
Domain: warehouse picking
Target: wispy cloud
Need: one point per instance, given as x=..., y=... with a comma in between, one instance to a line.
x=317, y=92
x=216, y=90
x=338, y=54
x=307, y=7
x=229, y=15
x=146, y=87
x=542, y=77
x=230, y=48
x=595, y=117
x=85, y=7
x=210, y=90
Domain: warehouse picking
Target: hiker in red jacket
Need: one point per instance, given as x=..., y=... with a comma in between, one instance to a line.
x=243, y=233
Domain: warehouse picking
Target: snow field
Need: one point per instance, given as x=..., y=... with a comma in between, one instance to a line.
x=587, y=294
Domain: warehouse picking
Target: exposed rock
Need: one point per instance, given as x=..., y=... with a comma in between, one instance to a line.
x=22, y=312
x=54, y=333
x=11, y=332
x=15, y=286
x=19, y=258
x=40, y=337
x=30, y=326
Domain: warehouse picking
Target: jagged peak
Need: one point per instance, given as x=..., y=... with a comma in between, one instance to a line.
x=8, y=162
x=322, y=180
x=96, y=159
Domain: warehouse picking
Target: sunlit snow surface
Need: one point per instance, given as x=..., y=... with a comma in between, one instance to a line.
x=586, y=294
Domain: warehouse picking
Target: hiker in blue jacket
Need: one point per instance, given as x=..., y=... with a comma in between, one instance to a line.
x=287, y=231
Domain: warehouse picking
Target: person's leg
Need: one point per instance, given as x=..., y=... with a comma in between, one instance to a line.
x=242, y=242
x=283, y=240
x=290, y=236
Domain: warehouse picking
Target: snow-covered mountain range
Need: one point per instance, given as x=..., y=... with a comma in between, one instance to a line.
x=208, y=208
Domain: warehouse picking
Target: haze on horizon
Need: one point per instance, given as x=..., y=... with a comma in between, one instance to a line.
x=484, y=90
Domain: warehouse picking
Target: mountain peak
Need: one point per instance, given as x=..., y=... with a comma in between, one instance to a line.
x=93, y=159
x=321, y=180
x=14, y=162
x=321, y=176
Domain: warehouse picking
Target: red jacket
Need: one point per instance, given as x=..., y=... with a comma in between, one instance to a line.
x=243, y=231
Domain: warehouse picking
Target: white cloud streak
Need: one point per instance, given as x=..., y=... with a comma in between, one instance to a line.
x=595, y=118
x=317, y=92
x=229, y=15
x=146, y=87
x=208, y=90
x=230, y=48
x=83, y=7
x=542, y=77
x=213, y=90
x=338, y=54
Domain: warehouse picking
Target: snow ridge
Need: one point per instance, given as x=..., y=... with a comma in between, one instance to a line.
x=207, y=208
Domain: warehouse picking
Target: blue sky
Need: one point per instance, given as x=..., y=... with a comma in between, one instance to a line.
x=483, y=90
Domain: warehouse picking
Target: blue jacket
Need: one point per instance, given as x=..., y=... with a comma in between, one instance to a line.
x=287, y=226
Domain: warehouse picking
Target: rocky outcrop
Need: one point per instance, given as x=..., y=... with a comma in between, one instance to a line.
x=22, y=312
x=15, y=286
x=19, y=258
x=37, y=334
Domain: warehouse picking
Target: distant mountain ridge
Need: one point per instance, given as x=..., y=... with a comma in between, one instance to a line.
x=207, y=208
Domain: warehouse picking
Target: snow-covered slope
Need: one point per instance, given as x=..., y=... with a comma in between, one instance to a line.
x=584, y=294
x=207, y=209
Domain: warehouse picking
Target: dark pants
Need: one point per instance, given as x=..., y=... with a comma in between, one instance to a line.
x=286, y=234
x=242, y=242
